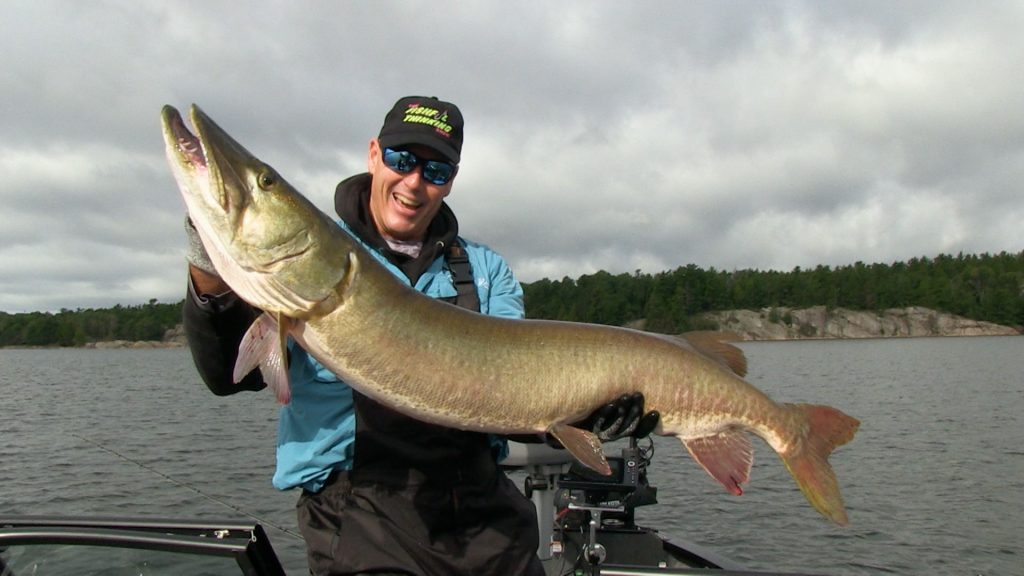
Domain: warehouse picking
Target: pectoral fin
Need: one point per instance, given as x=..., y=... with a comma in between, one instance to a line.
x=583, y=445
x=265, y=346
x=726, y=456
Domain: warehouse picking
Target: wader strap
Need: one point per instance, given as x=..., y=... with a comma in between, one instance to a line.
x=462, y=276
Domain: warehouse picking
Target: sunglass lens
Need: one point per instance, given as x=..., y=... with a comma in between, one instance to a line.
x=399, y=161
x=438, y=173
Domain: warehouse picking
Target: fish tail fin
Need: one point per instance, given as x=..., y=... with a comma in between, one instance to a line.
x=826, y=429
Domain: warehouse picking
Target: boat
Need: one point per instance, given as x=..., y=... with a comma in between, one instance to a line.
x=586, y=524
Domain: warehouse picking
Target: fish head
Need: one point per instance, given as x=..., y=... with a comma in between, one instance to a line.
x=269, y=243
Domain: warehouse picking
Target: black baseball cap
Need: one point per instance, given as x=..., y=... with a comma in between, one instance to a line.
x=424, y=120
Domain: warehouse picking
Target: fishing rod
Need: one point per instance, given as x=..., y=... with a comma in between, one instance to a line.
x=181, y=484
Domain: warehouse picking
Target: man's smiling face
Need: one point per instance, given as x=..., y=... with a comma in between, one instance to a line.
x=403, y=205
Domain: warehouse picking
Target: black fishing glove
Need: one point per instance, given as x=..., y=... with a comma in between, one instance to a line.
x=620, y=418
x=617, y=419
x=196, y=254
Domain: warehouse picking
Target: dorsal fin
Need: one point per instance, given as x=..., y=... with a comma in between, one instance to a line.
x=716, y=345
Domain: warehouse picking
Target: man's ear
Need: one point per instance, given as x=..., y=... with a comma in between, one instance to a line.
x=372, y=155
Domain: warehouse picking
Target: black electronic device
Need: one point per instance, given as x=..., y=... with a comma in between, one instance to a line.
x=624, y=478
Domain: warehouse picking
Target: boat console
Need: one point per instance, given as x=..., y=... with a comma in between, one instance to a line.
x=586, y=519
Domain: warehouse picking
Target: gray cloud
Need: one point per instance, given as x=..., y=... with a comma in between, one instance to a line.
x=601, y=135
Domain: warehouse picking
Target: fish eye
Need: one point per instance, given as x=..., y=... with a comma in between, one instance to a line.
x=266, y=179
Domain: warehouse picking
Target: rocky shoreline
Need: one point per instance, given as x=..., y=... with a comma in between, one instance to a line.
x=819, y=322
x=134, y=345
x=173, y=338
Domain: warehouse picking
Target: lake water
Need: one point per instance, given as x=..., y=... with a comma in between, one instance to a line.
x=933, y=482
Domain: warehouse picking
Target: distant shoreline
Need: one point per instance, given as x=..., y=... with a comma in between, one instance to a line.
x=153, y=345
x=822, y=323
x=107, y=345
x=767, y=324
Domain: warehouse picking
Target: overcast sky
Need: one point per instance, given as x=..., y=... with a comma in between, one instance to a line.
x=600, y=135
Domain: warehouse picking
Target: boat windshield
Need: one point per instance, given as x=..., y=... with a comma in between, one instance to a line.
x=41, y=546
x=53, y=559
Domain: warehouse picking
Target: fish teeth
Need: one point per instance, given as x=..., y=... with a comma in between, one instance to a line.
x=191, y=148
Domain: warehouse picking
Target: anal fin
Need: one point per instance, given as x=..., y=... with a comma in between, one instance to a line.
x=727, y=456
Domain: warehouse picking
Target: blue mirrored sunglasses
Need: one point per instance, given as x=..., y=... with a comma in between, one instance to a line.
x=404, y=162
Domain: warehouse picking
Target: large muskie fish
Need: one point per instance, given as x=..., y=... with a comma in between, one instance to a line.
x=449, y=366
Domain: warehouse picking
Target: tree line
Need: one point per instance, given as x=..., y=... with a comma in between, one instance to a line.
x=82, y=326
x=987, y=287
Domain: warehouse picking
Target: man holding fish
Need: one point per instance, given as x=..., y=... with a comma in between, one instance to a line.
x=383, y=492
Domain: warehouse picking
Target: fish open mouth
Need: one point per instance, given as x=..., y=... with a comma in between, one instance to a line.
x=192, y=156
x=188, y=145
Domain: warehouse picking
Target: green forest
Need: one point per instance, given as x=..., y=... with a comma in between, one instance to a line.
x=987, y=287
x=78, y=327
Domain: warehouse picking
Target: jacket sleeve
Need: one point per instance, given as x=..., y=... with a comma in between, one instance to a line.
x=214, y=326
x=499, y=291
